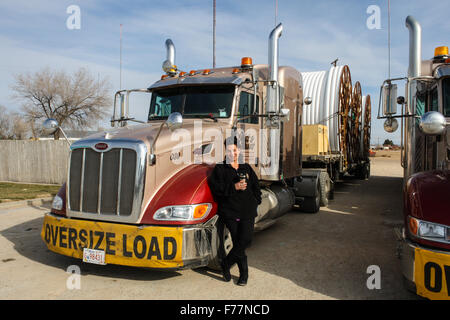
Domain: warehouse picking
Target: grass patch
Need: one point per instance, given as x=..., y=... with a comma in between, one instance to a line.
x=18, y=191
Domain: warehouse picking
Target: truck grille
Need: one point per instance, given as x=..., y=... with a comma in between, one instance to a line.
x=107, y=184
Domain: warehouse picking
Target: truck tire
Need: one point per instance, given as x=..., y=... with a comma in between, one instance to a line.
x=216, y=255
x=363, y=172
x=312, y=204
x=325, y=188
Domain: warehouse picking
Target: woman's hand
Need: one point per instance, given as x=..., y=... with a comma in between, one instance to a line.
x=241, y=185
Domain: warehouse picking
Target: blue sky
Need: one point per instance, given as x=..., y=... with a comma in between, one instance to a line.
x=33, y=35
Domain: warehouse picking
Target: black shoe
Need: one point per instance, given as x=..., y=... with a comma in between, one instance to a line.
x=243, y=272
x=242, y=280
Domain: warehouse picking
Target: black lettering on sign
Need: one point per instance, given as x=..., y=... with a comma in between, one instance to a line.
x=100, y=235
x=54, y=234
x=72, y=238
x=82, y=235
x=137, y=253
x=447, y=278
x=62, y=237
x=437, y=277
x=47, y=233
x=125, y=252
x=91, y=239
x=154, y=249
x=110, y=243
x=173, y=253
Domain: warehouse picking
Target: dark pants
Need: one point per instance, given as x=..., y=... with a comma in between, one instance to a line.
x=241, y=235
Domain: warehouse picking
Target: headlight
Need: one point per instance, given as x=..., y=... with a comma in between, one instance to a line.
x=183, y=213
x=57, y=203
x=427, y=230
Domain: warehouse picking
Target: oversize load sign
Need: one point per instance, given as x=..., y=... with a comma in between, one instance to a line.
x=154, y=247
x=432, y=274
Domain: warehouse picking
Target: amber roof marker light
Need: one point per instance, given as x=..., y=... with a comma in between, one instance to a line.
x=246, y=62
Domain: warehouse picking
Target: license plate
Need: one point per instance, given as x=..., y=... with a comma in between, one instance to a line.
x=432, y=274
x=94, y=256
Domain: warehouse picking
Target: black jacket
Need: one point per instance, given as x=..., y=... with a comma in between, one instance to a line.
x=234, y=203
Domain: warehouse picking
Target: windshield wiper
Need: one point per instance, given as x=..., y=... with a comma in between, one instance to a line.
x=201, y=116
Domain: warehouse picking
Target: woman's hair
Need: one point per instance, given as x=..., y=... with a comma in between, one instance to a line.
x=230, y=141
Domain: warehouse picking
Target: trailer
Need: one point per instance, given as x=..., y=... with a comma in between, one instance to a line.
x=336, y=126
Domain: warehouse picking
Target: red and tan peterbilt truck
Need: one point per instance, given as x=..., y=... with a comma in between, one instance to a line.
x=139, y=196
x=425, y=157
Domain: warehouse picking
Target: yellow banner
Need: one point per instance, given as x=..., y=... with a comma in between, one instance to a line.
x=432, y=274
x=153, y=247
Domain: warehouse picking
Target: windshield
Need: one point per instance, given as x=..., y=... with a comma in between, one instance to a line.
x=198, y=101
x=446, y=96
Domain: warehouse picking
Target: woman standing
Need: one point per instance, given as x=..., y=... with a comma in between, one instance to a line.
x=235, y=188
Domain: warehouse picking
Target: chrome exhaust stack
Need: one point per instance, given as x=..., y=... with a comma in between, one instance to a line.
x=415, y=47
x=272, y=93
x=168, y=65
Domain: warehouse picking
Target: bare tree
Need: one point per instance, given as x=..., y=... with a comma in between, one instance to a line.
x=13, y=125
x=5, y=123
x=20, y=128
x=77, y=101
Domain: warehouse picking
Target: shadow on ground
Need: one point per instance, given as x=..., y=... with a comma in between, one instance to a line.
x=329, y=252
x=28, y=243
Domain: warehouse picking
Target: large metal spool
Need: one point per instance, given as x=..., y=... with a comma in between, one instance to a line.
x=345, y=99
x=330, y=92
x=337, y=104
x=355, y=123
x=366, y=123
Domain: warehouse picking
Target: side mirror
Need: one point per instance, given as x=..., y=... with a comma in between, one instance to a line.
x=389, y=99
x=174, y=121
x=50, y=126
x=308, y=101
x=432, y=123
x=390, y=125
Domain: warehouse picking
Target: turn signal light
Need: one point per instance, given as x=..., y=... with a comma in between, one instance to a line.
x=206, y=71
x=236, y=70
x=192, y=72
x=182, y=74
x=441, y=51
x=200, y=211
x=164, y=76
x=246, y=62
x=413, y=225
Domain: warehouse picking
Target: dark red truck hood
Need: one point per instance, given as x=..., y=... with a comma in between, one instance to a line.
x=428, y=196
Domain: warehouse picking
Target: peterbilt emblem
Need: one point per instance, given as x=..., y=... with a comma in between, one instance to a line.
x=101, y=146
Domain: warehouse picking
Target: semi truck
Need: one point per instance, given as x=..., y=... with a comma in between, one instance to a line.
x=138, y=195
x=425, y=158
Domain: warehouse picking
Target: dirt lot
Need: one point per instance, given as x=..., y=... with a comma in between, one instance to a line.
x=303, y=256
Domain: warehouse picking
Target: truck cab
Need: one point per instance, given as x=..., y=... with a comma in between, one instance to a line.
x=425, y=121
x=138, y=195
